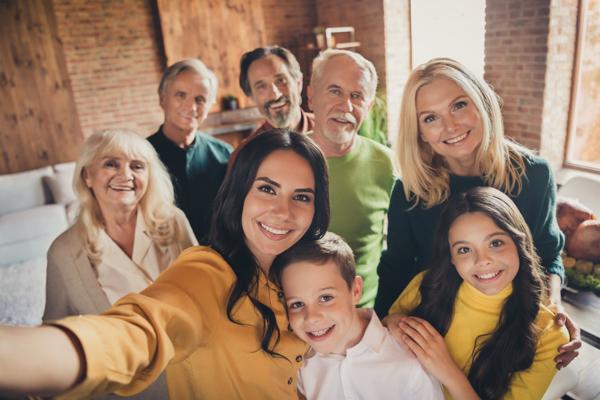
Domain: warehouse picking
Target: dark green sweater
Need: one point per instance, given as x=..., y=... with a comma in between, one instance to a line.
x=410, y=232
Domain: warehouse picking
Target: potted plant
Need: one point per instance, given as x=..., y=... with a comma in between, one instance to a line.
x=230, y=102
x=375, y=124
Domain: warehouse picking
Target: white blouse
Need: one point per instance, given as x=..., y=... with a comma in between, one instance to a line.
x=119, y=275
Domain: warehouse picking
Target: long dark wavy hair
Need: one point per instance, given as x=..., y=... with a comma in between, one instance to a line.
x=510, y=347
x=227, y=236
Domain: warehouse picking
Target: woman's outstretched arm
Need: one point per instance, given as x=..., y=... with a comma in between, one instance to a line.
x=43, y=361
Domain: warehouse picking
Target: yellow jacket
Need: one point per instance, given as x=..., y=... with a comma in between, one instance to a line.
x=476, y=314
x=180, y=321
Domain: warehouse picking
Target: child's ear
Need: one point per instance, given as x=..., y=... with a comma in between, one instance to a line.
x=357, y=287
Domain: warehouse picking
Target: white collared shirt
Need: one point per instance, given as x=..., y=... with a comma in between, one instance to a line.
x=376, y=368
x=119, y=275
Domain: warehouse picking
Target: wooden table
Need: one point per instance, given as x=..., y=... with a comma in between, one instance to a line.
x=584, y=308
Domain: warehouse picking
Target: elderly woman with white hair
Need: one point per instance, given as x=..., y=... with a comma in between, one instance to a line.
x=451, y=139
x=127, y=231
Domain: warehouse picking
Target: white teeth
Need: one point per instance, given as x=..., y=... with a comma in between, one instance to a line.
x=275, y=231
x=458, y=139
x=277, y=105
x=488, y=276
x=121, y=187
x=321, y=333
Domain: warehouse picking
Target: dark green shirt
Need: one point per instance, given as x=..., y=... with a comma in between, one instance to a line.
x=196, y=174
x=410, y=231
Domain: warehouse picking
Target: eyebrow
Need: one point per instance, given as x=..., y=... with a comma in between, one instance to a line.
x=488, y=237
x=454, y=100
x=272, y=182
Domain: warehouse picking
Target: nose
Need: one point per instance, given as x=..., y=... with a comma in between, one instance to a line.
x=483, y=258
x=451, y=124
x=126, y=172
x=282, y=209
x=346, y=105
x=314, y=314
x=274, y=92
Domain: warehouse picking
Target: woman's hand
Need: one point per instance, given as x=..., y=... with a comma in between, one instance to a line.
x=432, y=352
x=392, y=322
x=570, y=350
x=45, y=361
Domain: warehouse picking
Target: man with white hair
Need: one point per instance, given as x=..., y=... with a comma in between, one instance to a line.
x=341, y=93
x=197, y=162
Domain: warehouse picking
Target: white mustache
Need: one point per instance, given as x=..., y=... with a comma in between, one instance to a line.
x=345, y=116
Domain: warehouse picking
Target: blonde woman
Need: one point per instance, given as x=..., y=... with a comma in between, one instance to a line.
x=451, y=139
x=127, y=231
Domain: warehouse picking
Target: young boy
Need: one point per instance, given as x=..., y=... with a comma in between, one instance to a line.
x=352, y=356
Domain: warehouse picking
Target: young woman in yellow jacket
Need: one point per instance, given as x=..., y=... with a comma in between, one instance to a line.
x=215, y=319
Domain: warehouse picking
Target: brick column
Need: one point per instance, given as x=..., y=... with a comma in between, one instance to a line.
x=529, y=49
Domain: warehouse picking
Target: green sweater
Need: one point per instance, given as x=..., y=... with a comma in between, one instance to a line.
x=360, y=184
x=410, y=232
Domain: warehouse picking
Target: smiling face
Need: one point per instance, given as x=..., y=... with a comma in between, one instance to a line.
x=279, y=207
x=274, y=91
x=321, y=308
x=484, y=255
x=450, y=122
x=185, y=105
x=117, y=181
x=340, y=100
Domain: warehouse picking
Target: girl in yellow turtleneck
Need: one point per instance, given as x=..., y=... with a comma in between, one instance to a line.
x=478, y=323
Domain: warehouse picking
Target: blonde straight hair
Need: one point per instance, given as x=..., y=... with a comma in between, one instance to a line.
x=424, y=173
x=156, y=205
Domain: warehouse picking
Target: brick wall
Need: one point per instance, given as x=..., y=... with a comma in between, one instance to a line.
x=114, y=53
x=383, y=29
x=367, y=18
x=398, y=58
x=557, y=96
x=529, y=50
x=115, y=60
x=284, y=19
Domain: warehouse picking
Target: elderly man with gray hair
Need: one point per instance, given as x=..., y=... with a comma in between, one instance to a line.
x=197, y=162
x=341, y=93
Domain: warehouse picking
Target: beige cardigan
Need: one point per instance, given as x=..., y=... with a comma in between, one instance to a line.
x=72, y=287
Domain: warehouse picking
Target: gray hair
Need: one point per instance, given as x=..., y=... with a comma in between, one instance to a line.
x=194, y=65
x=157, y=205
x=366, y=65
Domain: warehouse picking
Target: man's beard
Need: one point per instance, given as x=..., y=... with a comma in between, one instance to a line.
x=340, y=136
x=279, y=118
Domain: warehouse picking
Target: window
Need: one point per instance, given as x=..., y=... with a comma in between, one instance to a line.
x=583, y=151
x=454, y=29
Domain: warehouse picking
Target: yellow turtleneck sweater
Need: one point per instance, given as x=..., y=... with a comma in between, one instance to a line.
x=476, y=314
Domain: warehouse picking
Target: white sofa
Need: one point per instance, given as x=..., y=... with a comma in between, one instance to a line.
x=35, y=207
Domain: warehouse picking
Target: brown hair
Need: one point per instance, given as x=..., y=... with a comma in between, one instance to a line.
x=330, y=247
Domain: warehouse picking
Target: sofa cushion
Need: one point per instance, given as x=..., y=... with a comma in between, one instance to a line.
x=23, y=190
x=28, y=234
x=60, y=187
x=23, y=292
x=68, y=167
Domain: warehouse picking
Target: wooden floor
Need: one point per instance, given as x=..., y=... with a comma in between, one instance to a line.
x=588, y=367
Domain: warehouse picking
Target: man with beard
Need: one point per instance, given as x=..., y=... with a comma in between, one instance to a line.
x=271, y=77
x=197, y=162
x=341, y=93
